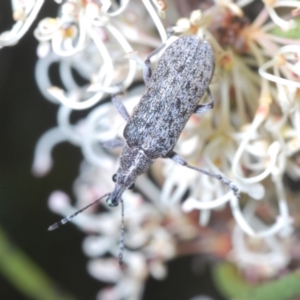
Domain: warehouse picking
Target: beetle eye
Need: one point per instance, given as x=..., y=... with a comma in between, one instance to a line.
x=114, y=178
x=131, y=187
x=111, y=203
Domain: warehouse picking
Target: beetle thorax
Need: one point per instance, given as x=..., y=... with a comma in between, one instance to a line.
x=133, y=162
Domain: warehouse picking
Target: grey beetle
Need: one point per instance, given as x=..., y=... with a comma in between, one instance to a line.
x=180, y=79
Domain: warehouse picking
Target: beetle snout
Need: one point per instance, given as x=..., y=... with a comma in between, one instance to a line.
x=112, y=202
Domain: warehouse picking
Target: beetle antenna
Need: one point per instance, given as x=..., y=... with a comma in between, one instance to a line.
x=67, y=219
x=121, y=243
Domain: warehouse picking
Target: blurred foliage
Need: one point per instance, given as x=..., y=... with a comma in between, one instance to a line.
x=25, y=275
x=232, y=285
x=292, y=33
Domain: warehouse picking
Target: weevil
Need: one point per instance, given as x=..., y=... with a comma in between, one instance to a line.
x=181, y=78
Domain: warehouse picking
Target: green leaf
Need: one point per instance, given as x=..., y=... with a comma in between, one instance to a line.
x=291, y=34
x=25, y=275
x=233, y=286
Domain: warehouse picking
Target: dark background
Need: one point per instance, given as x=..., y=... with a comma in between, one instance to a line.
x=24, y=216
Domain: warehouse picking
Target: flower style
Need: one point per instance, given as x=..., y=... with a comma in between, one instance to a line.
x=24, y=14
x=233, y=36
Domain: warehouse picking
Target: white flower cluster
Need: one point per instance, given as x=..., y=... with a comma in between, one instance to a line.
x=252, y=136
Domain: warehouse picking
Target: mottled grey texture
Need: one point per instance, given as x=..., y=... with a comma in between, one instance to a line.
x=114, y=143
x=120, y=107
x=180, y=79
x=133, y=162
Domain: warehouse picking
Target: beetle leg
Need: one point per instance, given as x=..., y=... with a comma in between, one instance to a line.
x=147, y=72
x=204, y=107
x=120, y=107
x=113, y=143
x=177, y=158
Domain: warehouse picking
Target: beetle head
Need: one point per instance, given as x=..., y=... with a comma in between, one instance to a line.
x=133, y=163
x=123, y=182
